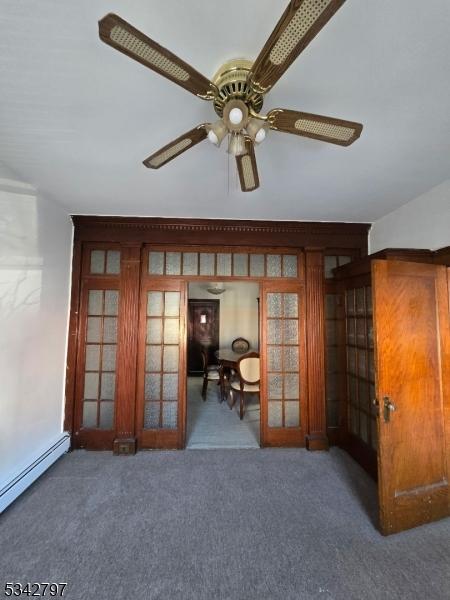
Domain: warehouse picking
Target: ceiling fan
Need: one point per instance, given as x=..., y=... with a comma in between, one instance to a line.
x=237, y=90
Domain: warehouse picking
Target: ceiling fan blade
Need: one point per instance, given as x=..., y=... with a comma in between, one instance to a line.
x=122, y=36
x=175, y=148
x=313, y=126
x=300, y=23
x=247, y=168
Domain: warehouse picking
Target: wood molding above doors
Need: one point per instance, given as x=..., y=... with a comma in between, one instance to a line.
x=225, y=232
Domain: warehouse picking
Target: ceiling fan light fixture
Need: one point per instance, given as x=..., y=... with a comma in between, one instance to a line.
x=257, y=130
x=236, y=144
x=216, y=132
x=216, y=288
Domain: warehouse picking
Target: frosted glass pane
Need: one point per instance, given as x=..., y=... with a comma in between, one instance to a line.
x=108, y=386
x=369, y=300
x=360, y=301
x=151, y=415
x=111, y=302
x=330, y=328
x=330, y=262
x=113, y=262
x=154, y=331
x=370, y=332
x=291, y=391
x=93, y=329
x=274, y=305
x=171, y=359
x=275, y=414
x=154, y=304
x=332, y=360
x=153, y=358
x=351, y=335
x=353, y=389
x=92, y=358
x=110, y=330
x=224, y=264
x=291, y=414
x=190, y=263
x=364, y=403
x=257, y=265
x=172, y=304
x=206, y=263
x=354, y=421
x=90, y=386
x=97, y=261
x=371, y=366
x=274, y=331
x=289, y=265
x=351, y=360
x=362, y=363
x=109, y=358
x=331, y=386
x=173, y=263
x=95, y=302
x=274, y=265
x=106, y=415
x=274, y=358
x=343, y=260
x=171, y=331
x=291, y=358
x=169, y=415
x=156, y=263
x=330, y=306
x=361, y=332
x=152, y=387
x=291, y=305
x=350, y=302
x=89, y=414
x=275, y=387
x=240, y=265
x=290, y=331
x=170, y=387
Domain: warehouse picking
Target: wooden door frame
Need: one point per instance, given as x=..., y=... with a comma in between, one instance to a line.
x=131, y=234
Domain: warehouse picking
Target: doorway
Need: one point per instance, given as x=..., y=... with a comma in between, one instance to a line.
x=213, y=421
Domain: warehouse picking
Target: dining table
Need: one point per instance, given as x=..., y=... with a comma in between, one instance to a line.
x=227, y=360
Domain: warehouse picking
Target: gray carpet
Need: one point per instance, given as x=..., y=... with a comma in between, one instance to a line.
x=211, y=424
x=217, y=524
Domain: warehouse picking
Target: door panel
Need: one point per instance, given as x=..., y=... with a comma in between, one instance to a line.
x=412, y=360
x=283, y=381
x=161, y=397
x=203, y=332
x=96, y=373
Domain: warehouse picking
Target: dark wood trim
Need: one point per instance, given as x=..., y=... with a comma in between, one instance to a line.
x=72, y=344
x=316, y=438
x=442, y=256
x=362, y=454
x=360, y=267
x=127, y=346
x=221, y=232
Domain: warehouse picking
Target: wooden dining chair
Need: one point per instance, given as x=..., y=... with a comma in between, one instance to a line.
x=247, y=381
x=210, y=373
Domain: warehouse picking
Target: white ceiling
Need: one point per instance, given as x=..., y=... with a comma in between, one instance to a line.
x=77, y=117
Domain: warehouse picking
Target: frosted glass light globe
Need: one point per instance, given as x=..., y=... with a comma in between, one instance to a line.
x=212, y=137
x=260, y=136
x=236, y=115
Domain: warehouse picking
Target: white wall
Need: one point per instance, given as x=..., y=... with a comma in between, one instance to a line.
x=421, y=223
x=238, y=310
x=35, y=256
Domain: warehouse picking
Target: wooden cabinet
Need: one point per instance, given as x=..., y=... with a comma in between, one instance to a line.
x=397, y=355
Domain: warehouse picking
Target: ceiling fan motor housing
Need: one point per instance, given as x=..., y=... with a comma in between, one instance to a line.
x=231, y=81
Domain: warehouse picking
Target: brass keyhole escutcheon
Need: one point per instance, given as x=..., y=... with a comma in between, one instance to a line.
x=388, y=407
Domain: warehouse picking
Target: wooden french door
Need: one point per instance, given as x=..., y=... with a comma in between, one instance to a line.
x=283, y=374
x=161, y=387
x=412, y=331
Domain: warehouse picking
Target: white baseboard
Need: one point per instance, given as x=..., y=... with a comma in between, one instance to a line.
x=27, y=476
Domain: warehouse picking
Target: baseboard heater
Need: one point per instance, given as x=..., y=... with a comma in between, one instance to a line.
x=25, y=478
